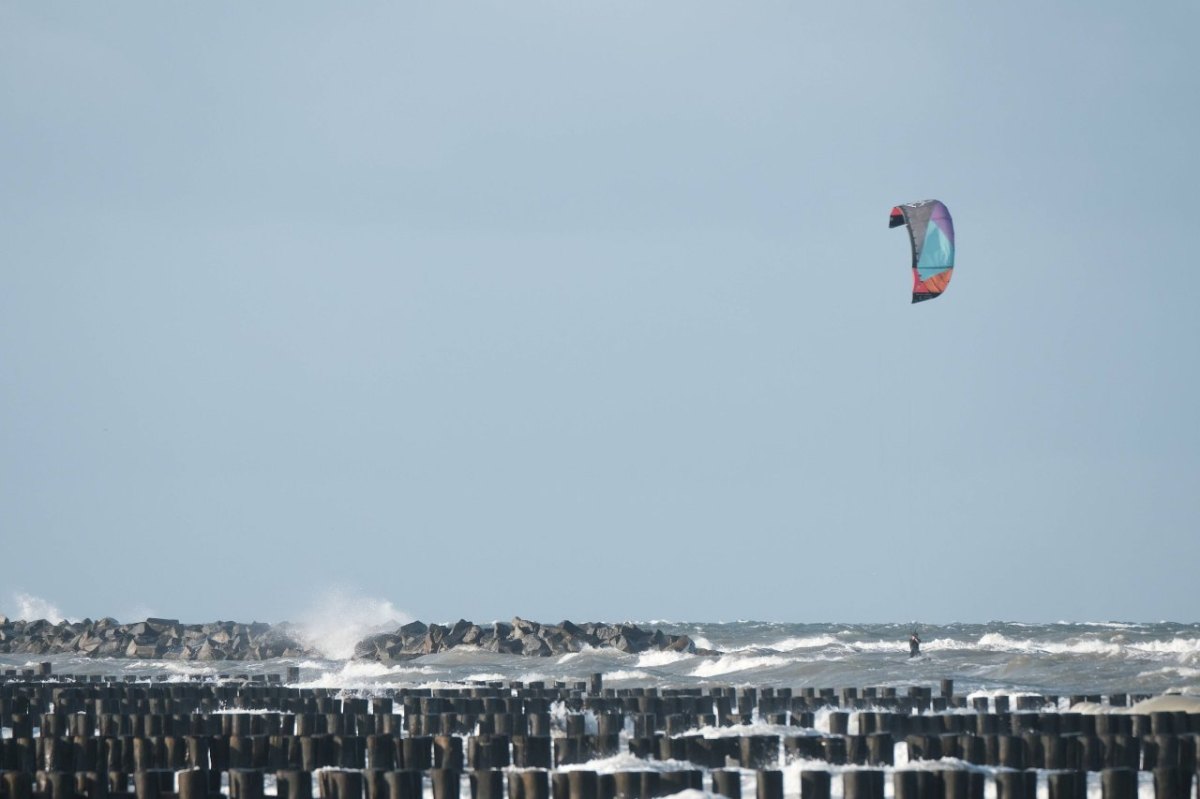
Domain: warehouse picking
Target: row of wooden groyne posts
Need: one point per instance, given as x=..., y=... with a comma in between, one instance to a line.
x=240, y=737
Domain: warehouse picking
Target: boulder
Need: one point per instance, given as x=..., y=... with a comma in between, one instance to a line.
x=455, y=635
x=524, y=627
x=534, y=646
x=413, y=629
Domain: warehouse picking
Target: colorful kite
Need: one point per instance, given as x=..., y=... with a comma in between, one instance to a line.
x=931, y=232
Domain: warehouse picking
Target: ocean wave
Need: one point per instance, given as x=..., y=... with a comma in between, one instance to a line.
x=804, y=642
x=339, y=618
x=840, y=648
x=362, y=673
x=534, y=676
x=485, y=677
x=1176, y=646
x=179, y=672
x=1182, y=672
x=743, y=730
x=626, y=762
x=1186, y=648
x=998, y=642
x=728, y=664
x=885, y=646
x=661, y=658
x=186, y=678
x=947, y=645
x=627, y=674
x=363, y=668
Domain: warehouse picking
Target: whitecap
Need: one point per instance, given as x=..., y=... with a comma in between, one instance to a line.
x=33, y=608
x=485, y=677
x=809, y=642
x=727, y=664
x=660, y=658
x=340, y=618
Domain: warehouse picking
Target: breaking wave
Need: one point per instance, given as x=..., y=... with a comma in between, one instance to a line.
x=1187, y=649
x=653, y=659
x=341, y=618
x=728, y=664
x=31, y=608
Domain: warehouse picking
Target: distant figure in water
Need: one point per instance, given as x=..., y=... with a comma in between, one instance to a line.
x=914, y=644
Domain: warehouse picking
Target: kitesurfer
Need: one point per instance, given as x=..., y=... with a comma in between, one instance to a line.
x=914, y=644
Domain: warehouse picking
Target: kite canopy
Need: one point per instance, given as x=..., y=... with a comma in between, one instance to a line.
x=931, y=232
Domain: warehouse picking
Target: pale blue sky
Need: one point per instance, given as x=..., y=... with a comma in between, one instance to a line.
x=591, y=310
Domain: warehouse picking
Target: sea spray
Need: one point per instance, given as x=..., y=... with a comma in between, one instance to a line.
x=340, y=618
x=28, y=607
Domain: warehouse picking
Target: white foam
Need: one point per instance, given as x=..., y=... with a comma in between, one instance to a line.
x=661, y=658
x=1186, y=648
x=828, y=644
x=534, y=676
x=792, y=644
x=627, y=674
x=1183, y=672
x=340, y=618
x=742, y=730
x=32, y=608
x=808, y=642
x=890, y=645
x=1176, y=646
x=728, y=664
x=186, y=670
x=624, y=762
x=362, y=674
x=485, y=677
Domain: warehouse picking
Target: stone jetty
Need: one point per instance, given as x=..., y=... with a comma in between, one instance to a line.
x=168, y=639
x=165, y=639
x=520, y=637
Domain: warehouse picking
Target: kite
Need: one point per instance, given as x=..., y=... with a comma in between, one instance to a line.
x=931, y=232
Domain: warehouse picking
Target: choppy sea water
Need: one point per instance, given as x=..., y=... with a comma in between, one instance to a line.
x=1061, y=659
x=1064, y=658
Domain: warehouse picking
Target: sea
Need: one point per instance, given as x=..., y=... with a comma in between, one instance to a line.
x=1060, y=659
x=1063, y=661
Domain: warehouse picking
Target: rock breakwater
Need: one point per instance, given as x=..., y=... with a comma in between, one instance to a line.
x=168, y=639
x=165, y=639
x=519, y=637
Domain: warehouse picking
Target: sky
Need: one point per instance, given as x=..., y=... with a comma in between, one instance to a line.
x=590, y=310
